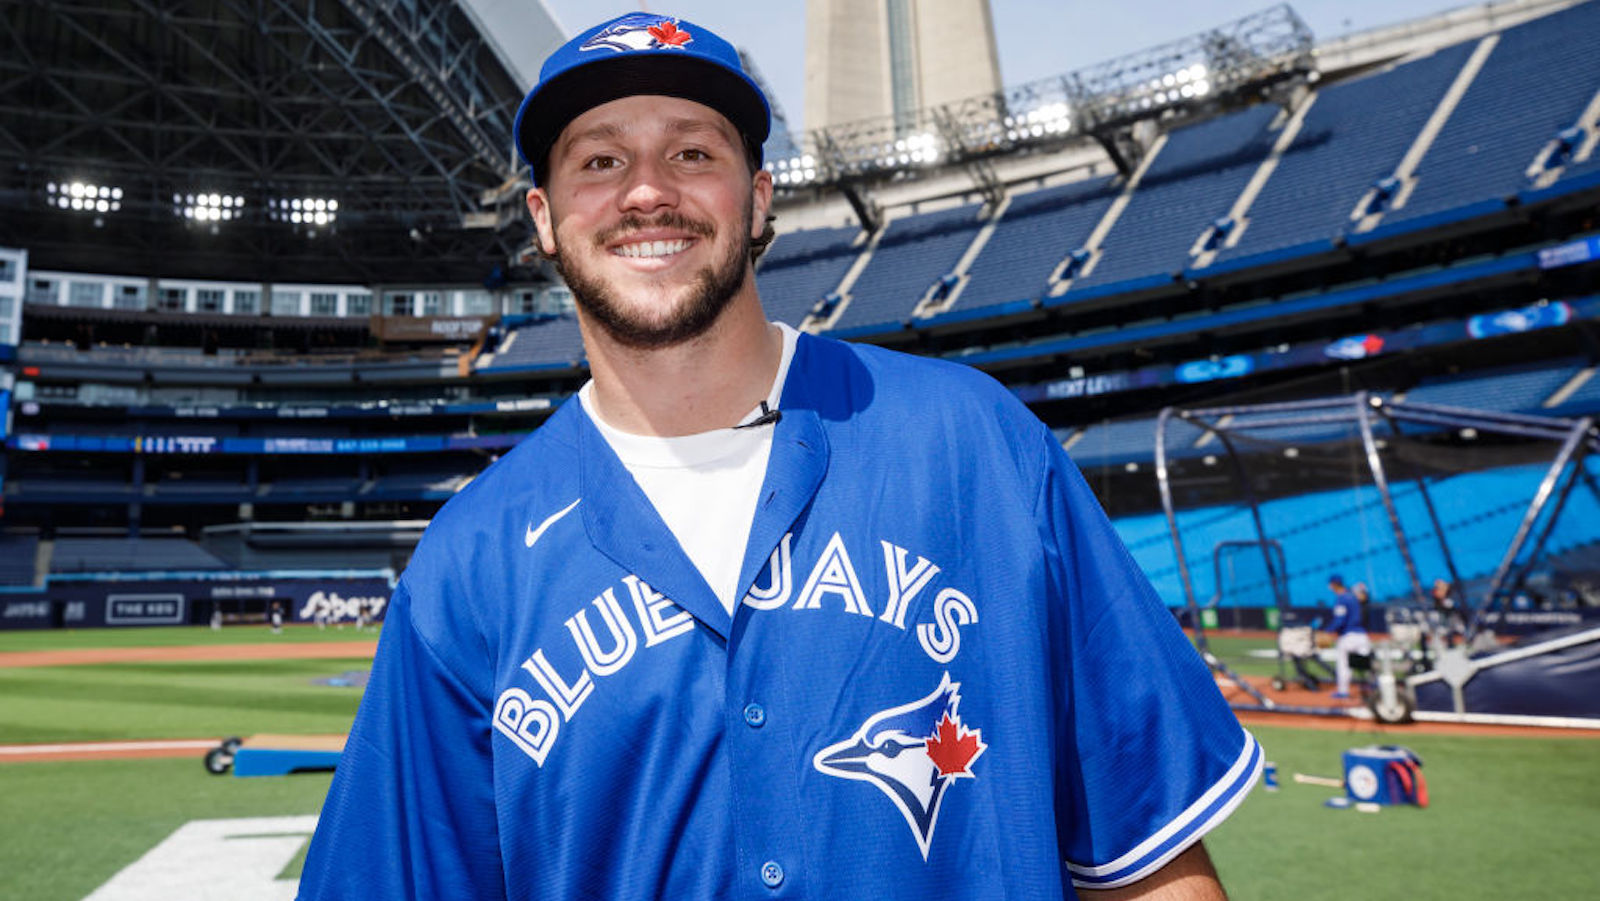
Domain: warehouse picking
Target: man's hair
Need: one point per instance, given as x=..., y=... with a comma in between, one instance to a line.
x=760, y=243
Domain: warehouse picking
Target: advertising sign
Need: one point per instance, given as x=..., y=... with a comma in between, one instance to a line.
x=1525, y=319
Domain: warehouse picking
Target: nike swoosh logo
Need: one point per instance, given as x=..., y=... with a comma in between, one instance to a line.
x=534, y=534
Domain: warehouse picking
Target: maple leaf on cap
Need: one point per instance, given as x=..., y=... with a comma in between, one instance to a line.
x=953, y=748
x=669, y=34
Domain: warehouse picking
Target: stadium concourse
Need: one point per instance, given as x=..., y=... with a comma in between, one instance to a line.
x=266, y=406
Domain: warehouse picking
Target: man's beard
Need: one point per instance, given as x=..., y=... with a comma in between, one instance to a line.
x=714, y=287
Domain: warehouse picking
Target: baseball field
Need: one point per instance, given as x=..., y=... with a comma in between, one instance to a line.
x=103, y=794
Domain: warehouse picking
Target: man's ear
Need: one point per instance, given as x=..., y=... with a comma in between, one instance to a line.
x=760, y=202
x=544, y=223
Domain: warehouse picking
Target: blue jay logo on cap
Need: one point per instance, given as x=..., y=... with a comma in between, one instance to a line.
x=640, y=33
x=913, y=752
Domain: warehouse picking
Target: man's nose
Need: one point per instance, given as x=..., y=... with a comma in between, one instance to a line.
x=649, y=186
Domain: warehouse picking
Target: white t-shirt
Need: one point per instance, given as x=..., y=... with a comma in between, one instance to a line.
x=704, y=486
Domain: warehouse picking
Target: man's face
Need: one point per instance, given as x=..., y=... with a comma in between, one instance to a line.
x=649, y=209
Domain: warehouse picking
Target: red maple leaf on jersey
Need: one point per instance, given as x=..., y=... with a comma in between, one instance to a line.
x=954, y=747
x=668, y=34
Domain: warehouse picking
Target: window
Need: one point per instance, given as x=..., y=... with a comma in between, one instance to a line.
x=525, y=302
x=358, y=305
x=477, y=303
x=84, y=294
x=129, y=297
x=8, y=270
x=324, y=304
x=5, y=333
x=397, y=304
x=208, y=300
x=432, y=304
x=41, y=290
x=286, y=303
x=246, y=301
x=171, y=300
x=7, y=307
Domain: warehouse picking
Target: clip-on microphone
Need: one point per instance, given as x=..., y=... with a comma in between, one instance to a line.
x=768, y=416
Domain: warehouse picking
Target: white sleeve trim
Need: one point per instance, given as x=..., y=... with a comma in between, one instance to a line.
x=1182, y=831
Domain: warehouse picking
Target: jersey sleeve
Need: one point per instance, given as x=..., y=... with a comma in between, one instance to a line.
x=410, y=813
x=1150, y=757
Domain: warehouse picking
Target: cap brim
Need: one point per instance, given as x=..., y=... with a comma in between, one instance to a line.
x=550, y=109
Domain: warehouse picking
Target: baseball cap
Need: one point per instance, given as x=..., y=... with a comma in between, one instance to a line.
x=638, y=53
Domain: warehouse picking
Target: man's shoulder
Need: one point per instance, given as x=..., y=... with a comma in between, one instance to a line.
x=892, y=375
x=539, y=468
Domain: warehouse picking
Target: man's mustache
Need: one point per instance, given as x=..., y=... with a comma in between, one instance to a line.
x=668, y=220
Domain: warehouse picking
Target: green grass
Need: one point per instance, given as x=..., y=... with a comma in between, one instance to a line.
x=174, y=700
x=1510, y=817
x=1235, y=651
x=171, y=636
x=1508, y=814
x=71, y=826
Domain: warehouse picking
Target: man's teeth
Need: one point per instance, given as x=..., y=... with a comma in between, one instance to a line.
x=652, y=248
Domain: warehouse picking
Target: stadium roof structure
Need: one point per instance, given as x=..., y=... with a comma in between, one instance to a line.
x=337, y=140
x=1231, y=64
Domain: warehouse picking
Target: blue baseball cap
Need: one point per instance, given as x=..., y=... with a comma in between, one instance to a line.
x=639, y=53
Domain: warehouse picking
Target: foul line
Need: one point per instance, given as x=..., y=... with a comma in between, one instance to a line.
x=107, y=747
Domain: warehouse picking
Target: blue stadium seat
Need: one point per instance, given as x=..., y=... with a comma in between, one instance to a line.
x=1132, y=441
x=549, y=342
x=1521, y=389
x=912, y=255
x=1194, y=178
x=1535, y=83
x=1584, y=401
x=17, y=554
x=803, y=267
x=1354, y=134
x=1039, y=229
x=86, y=555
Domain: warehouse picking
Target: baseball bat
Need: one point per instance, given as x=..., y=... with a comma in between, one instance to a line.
x=1318, y=780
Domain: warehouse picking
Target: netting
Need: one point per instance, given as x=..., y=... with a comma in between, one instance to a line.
x=1436, y=495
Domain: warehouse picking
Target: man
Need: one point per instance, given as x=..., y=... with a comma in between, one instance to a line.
x=1350, y=635
x=762, y=615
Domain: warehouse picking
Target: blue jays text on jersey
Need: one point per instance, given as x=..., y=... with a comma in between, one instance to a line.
x=946, y=677
x=534, y=725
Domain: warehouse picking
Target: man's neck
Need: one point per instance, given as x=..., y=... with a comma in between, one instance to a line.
x=709, y=382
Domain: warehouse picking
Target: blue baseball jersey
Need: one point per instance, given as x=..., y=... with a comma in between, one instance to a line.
x=946, y=679
x=1346, y=615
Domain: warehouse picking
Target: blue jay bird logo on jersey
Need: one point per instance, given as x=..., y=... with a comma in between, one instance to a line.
x=913, y=753
x=640, y=32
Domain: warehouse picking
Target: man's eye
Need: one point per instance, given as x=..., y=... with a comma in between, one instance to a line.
x=602, y=162
x=693, y=154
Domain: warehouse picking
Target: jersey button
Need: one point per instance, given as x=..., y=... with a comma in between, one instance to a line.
x=755, y=716
x=771, y=874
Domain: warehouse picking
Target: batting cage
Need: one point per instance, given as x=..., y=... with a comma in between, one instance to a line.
x=1455, y=528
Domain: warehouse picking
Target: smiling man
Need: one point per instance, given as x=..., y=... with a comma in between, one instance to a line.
x=760, y=614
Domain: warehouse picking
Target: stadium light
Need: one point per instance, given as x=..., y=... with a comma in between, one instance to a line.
x=208, y=207
x=1239, y=59
x=304, y=210
x=797, y=170
x=1044, y=121
x=84, y=197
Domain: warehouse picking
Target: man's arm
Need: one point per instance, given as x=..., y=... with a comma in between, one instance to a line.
x=1188, y=877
